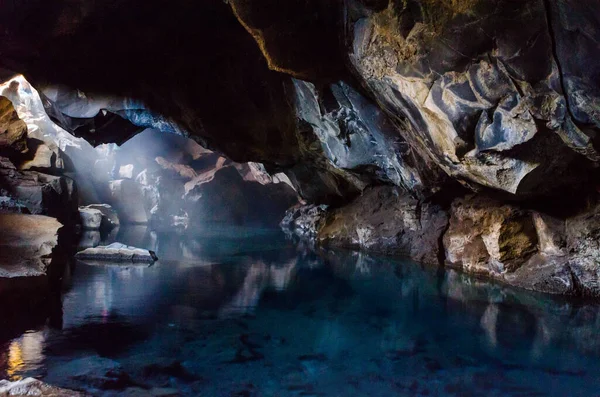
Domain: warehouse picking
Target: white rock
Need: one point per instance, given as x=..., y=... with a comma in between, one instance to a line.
x=126, y=171
x=117, y=252
x=91, y=219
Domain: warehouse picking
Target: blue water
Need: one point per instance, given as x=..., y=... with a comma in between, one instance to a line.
x=249, y=313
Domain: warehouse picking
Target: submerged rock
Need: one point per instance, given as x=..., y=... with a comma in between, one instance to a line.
x=34, y=387
x=117, y=252
x=92, y=374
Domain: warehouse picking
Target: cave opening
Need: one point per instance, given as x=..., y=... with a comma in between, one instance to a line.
x=248, y=198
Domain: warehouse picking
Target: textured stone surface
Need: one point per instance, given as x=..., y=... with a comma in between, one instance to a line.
x=489, y=238
x=91, y=219
x=304, y=220
x=479, y=89
x=384, y=219
x=110, y=219
x=525, y=248
x=26, y=244
x=13, y=130
x=40, y=193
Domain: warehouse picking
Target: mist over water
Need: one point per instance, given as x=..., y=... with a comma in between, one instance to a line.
x=242, y=311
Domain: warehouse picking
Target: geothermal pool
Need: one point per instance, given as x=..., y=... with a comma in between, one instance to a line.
x=241, y=312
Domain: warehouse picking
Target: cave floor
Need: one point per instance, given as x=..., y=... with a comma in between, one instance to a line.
x=249, y=313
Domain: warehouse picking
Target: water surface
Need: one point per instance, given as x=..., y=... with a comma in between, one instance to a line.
x=249, y=313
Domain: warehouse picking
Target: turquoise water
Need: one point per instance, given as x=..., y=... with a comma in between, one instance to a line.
x=249, y=313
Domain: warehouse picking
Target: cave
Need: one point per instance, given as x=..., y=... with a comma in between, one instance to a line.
x=307, y=198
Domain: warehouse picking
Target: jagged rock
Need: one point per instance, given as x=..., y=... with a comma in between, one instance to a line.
x=44, y=158
x=356, y=135
x=26, y=244
x=304, y=220
x=127, y=199
x=34, y=387
x=91, y=219
x=525, y=248
x=110, y=219
x=41, y=193
x=184, y=171
x=488, y=238
x=485, y=106
x=385, y=219
x=249, y=203
x=117, y=252
x=13, y=130
x=40, y=127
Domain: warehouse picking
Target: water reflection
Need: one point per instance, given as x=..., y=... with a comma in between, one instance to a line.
x=218, y=313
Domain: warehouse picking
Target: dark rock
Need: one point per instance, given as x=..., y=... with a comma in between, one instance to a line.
x=304, y=220
x=41, y=193
x=250, y=203
x=385, y=219
x=92, y=374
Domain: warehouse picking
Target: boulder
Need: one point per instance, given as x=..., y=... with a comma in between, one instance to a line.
x=91, y=219
x=304, y=220
x=34, y=387
x=41, y=193
x=26, y=244
x=127, y=199
x=385, y=219
x=110, y=219
x=488, y=237
x=525, y=248
x=117, y=252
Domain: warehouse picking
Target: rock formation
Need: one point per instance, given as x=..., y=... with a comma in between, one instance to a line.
x=26, y=244
x=392, y=112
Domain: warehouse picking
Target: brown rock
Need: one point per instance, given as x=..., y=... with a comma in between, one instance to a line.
x=26, y=244
x=488, y=238
x=13, y=131
x=385, y=219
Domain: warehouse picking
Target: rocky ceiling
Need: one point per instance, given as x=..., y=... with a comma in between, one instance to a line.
x=340, y=94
